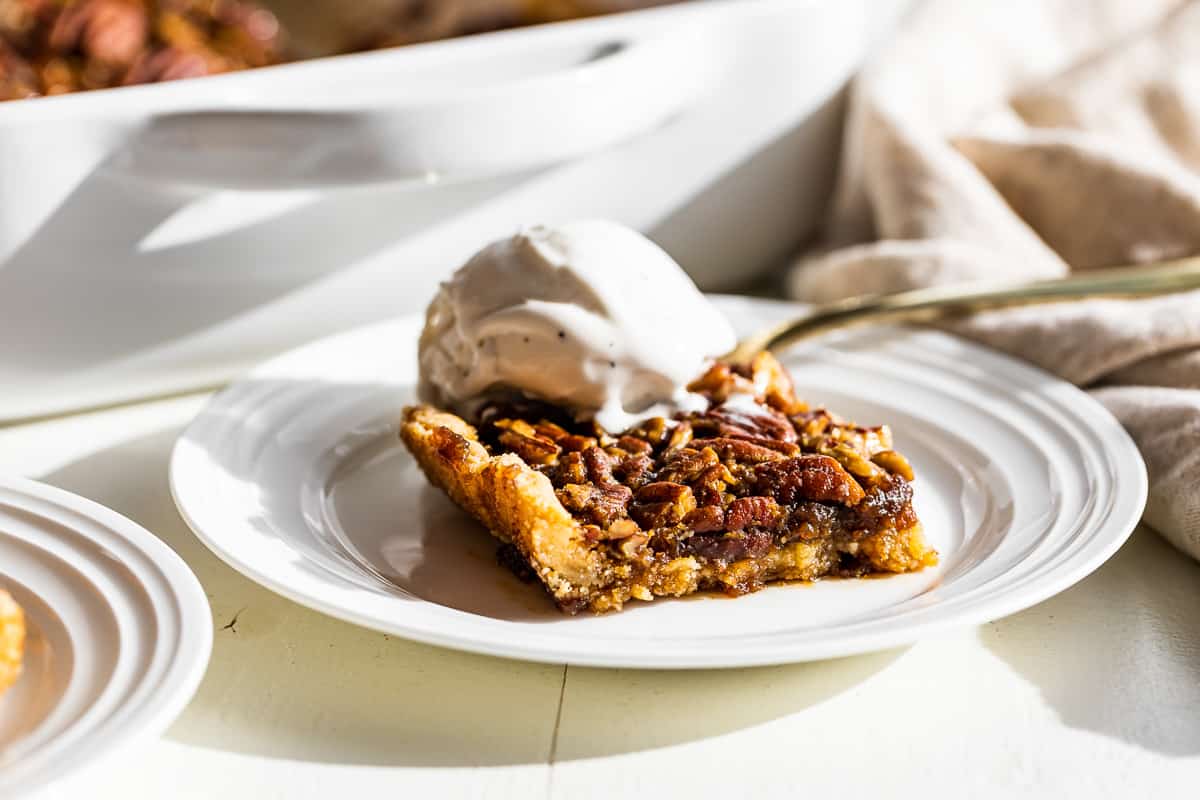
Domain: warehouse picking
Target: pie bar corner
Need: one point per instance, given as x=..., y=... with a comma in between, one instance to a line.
x=755, y=488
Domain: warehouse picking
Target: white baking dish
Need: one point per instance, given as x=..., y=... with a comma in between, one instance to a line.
x=162, y=237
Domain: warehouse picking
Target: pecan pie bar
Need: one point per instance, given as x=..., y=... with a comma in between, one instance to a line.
x=758, y=487
x=12, y=640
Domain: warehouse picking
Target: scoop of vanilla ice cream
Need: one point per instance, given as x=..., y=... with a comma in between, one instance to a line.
x=589, y=315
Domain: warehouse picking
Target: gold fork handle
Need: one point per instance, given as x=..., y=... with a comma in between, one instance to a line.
x=927, y=304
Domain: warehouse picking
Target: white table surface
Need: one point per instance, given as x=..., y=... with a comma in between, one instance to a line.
x=1094, y=693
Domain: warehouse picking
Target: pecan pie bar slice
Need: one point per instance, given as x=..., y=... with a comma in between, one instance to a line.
x=758, y=487
x=12, y=640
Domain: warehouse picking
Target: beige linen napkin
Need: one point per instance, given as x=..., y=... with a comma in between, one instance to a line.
x=1023, y=140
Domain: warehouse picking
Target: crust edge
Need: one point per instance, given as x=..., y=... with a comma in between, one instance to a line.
x=514, y=502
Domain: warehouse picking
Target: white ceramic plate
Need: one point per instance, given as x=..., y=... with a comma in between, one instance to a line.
x=294, y=477
x=119, y=633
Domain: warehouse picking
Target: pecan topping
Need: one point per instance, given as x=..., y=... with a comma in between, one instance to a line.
x=17, y=78
x=634, y=471
x=110, y=31
x=599, y=466
x=451, y=447
x=571, y=442
x=720, y=382
x=808, y=477
x=894, y=463
x=735, y=422
x=680, y=436
x=739, y=450
x=534, y=449
x=812, y=424
x=621, y=529
x=662, y=492
x=654, y=431
x=551, y=430
x=706, y=519
x=569, y=469
x=167, y=64
x=853, y=461
x=746, y=512
x=724, y=484
x=600, y=505
x=94, y=44
x=576, y=443
x=787, y=448
x=687, y=464
x=662, y=504
x=710, y=485
x=773, y=384
x=632, y=444
x=524, y=440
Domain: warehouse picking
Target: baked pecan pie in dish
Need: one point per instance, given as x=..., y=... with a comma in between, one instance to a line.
x=755, y=487
x=50, y=47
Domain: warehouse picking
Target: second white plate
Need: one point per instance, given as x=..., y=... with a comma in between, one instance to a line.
x=118, y=634
x=294, y=476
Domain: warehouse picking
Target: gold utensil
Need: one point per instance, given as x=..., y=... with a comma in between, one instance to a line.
x=923, y=305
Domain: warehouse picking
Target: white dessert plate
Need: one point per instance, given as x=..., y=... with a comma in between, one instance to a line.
x=118, y=634
x=295, y=477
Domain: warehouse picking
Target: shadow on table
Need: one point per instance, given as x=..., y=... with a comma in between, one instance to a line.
x=1122, y=660
x=286, y=682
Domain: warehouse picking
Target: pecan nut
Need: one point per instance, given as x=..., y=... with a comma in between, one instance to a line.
x=763, y=422
x=739, y=451
x=599, y=466
x=17, y=78
x=719, y=382
x=665, y=492
x=752, y=512
x=533, y=449
x=711, y=484
x=110, y=31
x=894, y=463
x=662, y=504
x=571, y=442
x=599, y=505
x=773, y=384
x=807, y=477
x=687, y=464
x=706, y=519
x=681, y=435
x=634, y=471
x=632, y=444
x=569, y=469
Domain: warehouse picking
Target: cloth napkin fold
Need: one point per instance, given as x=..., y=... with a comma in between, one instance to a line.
x=1024, y=140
